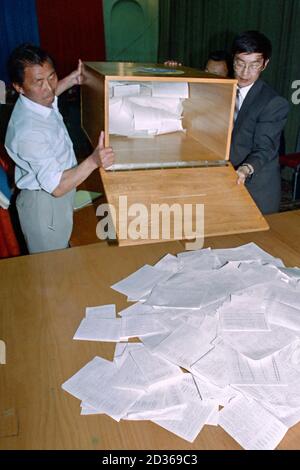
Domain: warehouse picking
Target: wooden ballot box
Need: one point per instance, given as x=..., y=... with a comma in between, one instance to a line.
x=170, y=130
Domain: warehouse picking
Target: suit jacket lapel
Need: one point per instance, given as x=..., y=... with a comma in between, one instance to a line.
x=250, y=97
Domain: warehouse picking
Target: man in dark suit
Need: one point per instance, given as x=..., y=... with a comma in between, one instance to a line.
x=260, y=116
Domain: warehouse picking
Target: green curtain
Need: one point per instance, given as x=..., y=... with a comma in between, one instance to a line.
x=131, y=30
x=190, y=29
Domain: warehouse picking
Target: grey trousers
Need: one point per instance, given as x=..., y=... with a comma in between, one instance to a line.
x=46, y=221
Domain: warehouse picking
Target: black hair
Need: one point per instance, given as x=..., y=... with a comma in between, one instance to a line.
x=23, y=56
x=252, y=41
x=219, y=56
x=222, y=56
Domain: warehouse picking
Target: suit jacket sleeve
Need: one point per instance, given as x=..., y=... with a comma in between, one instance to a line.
x=269, y=126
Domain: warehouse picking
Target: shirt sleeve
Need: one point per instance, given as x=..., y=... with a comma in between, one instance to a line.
x=38, y=153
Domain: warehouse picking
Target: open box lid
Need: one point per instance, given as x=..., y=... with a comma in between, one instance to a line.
x=185, y=168
x=136, y=195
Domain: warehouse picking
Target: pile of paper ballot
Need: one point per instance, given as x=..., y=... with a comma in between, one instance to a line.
x=220, y=345
x=146, y=109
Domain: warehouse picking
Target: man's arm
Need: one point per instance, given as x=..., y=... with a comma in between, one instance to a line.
x=101, y=156
x=75, y=78
x=266, y=138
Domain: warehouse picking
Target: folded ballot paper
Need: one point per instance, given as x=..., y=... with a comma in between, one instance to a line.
x=146, y=109
x=219, y=345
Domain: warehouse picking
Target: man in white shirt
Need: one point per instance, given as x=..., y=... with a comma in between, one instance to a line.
x=37, y=140
x=259, y=120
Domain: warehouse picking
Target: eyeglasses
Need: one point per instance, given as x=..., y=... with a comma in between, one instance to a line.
x=239, y=65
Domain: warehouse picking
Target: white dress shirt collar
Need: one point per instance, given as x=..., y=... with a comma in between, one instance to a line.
x=38, y=108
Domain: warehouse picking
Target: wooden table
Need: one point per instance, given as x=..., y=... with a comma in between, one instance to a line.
x=42, y=300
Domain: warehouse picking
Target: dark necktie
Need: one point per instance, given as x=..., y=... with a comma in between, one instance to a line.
x=237, y=104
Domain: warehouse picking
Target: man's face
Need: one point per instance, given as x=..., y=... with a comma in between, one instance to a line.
x=248, y=67
x=218, y=67
x=39, y=84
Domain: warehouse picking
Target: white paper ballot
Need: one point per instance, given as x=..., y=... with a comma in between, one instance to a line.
x=195, y=415
x=139, y=326
x=121, y=119
x=141, y=282
x=103, y=329
x=170, y=89
x=91, y=375
x=169, y=263
x=244, y=321
x=293, y=273
x=169, y=125
x=185, y=345
x=122, y=349
x=164, y=296
x=287, y=295
x=291, y=354
x=251, y=425
x=133, y=112
x=90, y=379
x=281, y=401
x=101, y=311
x=200, y=260
x=212, y=366
x=171, y=105
x=209, y=391
x=176, y=412
x=129, y=376
x=229, y=317
x=148, y=118
x=166, y=397
x=126, y=89
x=242, y=370
x=152, y=341
x=154, y=368
x=243, y=313
x=249, y=251
x=259, y=344
x=139, y=308
x=283, y=314
x=86, y=410
x=115, y=402
x=93, y=385
x=213, y=419
x=288, y=395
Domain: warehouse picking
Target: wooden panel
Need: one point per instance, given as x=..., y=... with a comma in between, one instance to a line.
x=93, y=109
x=208, y=116
x=131, y=70
x=228, y=207
x=177, y=146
